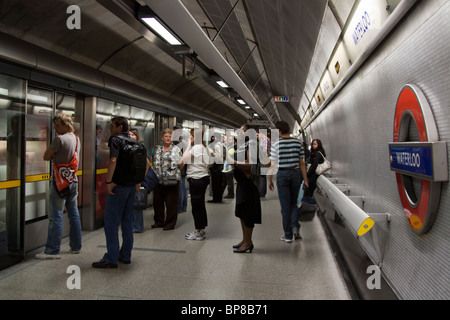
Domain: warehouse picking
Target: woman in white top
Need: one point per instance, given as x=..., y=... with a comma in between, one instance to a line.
x=197, y=159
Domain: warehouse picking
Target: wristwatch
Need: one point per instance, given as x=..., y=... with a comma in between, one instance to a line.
x=108, y=182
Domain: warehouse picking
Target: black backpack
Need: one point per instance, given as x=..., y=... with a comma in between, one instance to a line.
x=133, y=159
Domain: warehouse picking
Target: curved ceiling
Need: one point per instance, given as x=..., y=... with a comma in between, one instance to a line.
x=268, y=45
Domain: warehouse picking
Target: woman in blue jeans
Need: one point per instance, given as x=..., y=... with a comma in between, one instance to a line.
x=64, y=153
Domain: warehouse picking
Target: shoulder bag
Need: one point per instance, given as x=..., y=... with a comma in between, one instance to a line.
x=323, y=167
x=64, y=174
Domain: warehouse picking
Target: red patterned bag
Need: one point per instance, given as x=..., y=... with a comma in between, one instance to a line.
x=65, y=173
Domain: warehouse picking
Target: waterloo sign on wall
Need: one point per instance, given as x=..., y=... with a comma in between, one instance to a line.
x=419, y=166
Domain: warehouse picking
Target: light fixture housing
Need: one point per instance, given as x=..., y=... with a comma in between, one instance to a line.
x=222, y=83
x=151, y=20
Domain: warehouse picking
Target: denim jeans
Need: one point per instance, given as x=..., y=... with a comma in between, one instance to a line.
x=182, y=195
x=288, y=185
x=119, y=211
x=55, y=219
x=138, y=221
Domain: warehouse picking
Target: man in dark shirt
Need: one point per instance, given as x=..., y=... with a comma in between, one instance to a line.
x=119, y=203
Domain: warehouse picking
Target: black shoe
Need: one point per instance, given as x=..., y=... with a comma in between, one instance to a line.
x=249, y=250
x=236, y=246
x=124, y=261
x=228, y=197
x=104, y=264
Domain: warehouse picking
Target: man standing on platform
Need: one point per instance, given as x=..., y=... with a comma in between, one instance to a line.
x=119, y=203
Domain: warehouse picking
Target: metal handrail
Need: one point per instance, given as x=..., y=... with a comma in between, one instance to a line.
x=359, y=220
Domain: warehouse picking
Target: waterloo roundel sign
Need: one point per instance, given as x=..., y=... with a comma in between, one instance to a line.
x=420, y=165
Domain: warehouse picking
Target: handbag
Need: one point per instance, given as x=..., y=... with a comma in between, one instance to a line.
x=151, y=180
x=64, y=174
x=307, y=210
x=169, y=180
x=323, y=167
x=140, y=199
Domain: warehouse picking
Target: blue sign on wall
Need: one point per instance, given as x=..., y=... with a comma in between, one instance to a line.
x=415, y=160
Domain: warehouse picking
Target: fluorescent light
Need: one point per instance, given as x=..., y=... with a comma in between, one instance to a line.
x=247, y=107
x=241, y=101
x=161, y=30
x=222, y=84
x=256, y=115
x=34, y=97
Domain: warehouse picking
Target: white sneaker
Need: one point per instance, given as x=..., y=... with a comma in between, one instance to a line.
x=44, y=256
x=283, y=238
x=196, y=235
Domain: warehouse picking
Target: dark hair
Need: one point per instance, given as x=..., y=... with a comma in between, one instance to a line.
x=319, y=147
x=283, y=126
x=192, y=132
x=135, y=131
x=121, y=121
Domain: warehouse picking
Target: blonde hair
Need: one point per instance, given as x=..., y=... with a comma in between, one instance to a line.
x=167, y=130
x=63, y=119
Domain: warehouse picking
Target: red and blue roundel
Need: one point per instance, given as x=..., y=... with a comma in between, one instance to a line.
x=416, y=159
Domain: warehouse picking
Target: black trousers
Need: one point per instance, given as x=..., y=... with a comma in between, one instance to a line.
x=197, y=189
x=216, y=183
x=166, y=209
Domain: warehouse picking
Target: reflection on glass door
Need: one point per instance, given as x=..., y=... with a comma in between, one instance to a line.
x=38, y=134
x=12, y=121
x=142, y=120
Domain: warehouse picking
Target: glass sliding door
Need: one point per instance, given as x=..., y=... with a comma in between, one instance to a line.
x=12, y=122
x=38, y=136
x=141, y=119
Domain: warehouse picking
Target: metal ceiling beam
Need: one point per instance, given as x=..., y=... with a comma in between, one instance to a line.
x=178, y=18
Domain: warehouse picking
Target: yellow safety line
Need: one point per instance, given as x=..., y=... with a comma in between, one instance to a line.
x=39, y=177
x=9, y=184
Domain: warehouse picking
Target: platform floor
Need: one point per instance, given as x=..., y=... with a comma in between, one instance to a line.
x=168, y=267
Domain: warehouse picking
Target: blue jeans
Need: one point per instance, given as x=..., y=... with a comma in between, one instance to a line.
x=138, y=221
x=119, y=211
x=182, y=195
x=55, y=219
x=288, y=185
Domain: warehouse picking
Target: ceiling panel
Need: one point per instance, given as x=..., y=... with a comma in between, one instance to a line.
x=269, y=44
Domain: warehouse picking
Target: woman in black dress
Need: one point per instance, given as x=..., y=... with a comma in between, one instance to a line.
x=248, y=203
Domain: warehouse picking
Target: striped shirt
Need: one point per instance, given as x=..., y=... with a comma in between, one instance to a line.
x=287, y=153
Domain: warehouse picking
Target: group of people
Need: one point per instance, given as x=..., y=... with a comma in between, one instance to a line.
x=172, y=163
